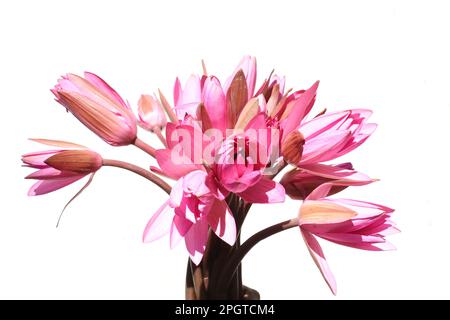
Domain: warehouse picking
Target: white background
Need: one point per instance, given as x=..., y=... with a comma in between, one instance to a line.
x=390, y=56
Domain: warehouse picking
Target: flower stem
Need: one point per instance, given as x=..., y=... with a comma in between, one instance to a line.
x=232, y=265
x=140, y=171
x=158, y=133
x=145, y=147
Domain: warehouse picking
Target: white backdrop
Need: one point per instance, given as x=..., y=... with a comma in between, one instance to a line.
x=390, y=56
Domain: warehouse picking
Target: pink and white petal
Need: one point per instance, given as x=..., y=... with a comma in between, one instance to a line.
x=159, y=224
x=196, y=239
x=351, y=238
x=377, y=246
x=46, y=186
x=384, y=230
x=184, y=109
x=319, y=258
x=192, y=90
x=264, y=191
x=364, y=209
x=222, y=222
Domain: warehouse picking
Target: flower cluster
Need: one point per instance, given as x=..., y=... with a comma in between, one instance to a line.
x=224, y=144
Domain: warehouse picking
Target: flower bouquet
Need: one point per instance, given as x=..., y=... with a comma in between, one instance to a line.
x=223, y=146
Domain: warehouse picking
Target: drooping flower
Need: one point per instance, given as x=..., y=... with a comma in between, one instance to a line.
x=352, y=223
x=60, y=167
x=98, y=106
x=299, y=182
x=196, y=203
x=151, y=115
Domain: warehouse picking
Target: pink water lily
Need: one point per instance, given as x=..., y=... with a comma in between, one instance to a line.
x=352, y=223
x=98, y=106
x=224, y=142
x=57, y=168
x=196, y=204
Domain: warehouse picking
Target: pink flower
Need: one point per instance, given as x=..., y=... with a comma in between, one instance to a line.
x=98, y=106
x=332, y=135
x=240, y=170
x=61, y=167
x=300, y=182
x=352, y=223
x=151, y=115
x=195, y=204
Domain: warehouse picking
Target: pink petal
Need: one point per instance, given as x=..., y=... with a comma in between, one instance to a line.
x=319, y=258
x=337, y=172
x=159, y=224
x=264, y=191
x=191, y=94
x=324, y=147
x=365, y=209
x=36, y=159
x=179, y=228
x=196, y=239
x=51, y=174
x=46, y=186
x=377, y=246
x=248, y=66
x=359, y=139
x=221, y=220
x=325, y=123
x=59, y=143
x=301, y=107
x=105, y=88
x=174, y=170
x=215, y=103
x=351, y=238
x=177, y=92
x=320, y=192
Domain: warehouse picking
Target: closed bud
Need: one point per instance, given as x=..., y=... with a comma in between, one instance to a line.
x=150, y=113
x=79, y=161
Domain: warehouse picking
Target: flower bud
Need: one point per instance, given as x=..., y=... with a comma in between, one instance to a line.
x=151, y=115
x=79, y=161
x=98, y=106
